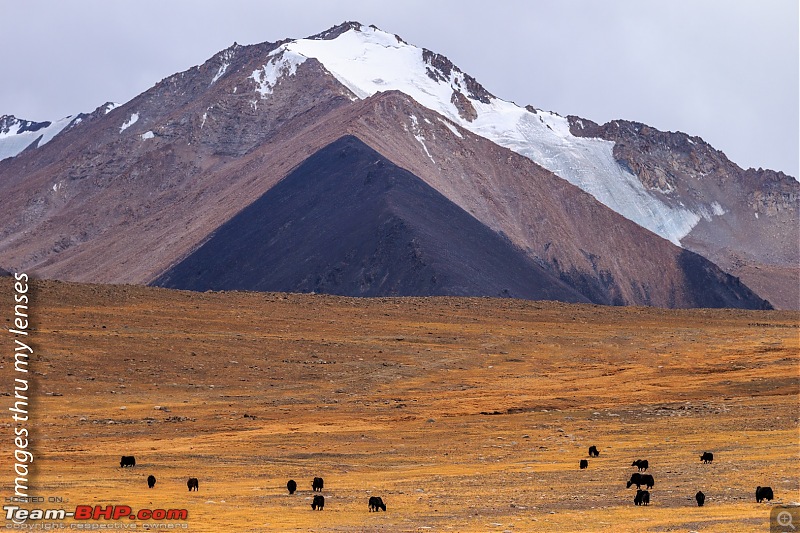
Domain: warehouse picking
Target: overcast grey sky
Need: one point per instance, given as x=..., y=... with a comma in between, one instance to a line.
x=726, y=70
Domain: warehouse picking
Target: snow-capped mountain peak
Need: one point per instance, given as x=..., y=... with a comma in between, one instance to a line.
x=17, y=135
x=368, y=60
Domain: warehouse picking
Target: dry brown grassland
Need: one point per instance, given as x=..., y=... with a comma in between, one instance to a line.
x=462, y=414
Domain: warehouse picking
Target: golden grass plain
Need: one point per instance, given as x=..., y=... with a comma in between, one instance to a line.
x=463, y=414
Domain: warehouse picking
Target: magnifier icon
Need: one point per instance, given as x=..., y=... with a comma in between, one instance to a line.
x=784, y=519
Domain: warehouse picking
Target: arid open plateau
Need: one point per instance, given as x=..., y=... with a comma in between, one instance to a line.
x=463, y=414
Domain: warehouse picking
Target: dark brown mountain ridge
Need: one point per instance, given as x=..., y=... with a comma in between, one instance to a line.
x=347, y=221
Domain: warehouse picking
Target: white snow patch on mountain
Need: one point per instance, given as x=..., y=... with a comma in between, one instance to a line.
x=12, y=142
x=715, y=209
x=227, y=56
x=220, y=72
x=370, y=60
x=452, y=128
x=147, y=135
x=282, y=63
x=418, y=136
x=130, y=122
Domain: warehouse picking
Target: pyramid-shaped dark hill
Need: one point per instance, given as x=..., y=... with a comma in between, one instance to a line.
x=349, y=222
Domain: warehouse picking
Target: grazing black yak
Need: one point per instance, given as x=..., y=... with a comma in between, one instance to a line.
x=700, y=497
x=318, y=503
x=707, y=457
x=584, y=464
x=642, y=498
x=764, y=493
x=641, y=464
x=376, y=503
x=193, y=484
x=317, y=484
x=593, y=451
x=641, y=479
x=127, y=460
x=151, y=481
x=291, y=486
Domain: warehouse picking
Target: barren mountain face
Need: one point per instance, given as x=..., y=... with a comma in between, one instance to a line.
x=752, y=228
x=150, y=179
x=128, y=193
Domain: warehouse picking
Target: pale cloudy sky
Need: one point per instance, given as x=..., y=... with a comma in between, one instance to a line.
x=726, y=70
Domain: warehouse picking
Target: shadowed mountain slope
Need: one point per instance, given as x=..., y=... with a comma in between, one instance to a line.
x=350, y=222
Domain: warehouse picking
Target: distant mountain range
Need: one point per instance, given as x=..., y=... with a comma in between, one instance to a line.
x=354, y=163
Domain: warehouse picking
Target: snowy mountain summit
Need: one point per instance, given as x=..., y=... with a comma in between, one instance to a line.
x=368, y=60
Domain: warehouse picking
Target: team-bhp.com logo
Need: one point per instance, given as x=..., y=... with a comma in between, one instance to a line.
x=96, y=512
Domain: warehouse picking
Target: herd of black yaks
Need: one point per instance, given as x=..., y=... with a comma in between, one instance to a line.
x=376, y=503
x=643, y=496
x=318, y=503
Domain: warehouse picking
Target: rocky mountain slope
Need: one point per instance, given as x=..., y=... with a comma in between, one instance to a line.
x=129, y=195
x=752, y=228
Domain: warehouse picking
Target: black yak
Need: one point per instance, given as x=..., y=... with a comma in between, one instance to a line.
x=641, y=479
x=593, y=451
x=317, y=484
x=151, y=481
x=193, y=484
x=127, y=460
x=584, y=464
x=707, y=457
x=318, y=503
x=291, y=486
x=641, y=464
x=764, y=493
x=376, y=503
x=642, y=498
x=700, y=497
